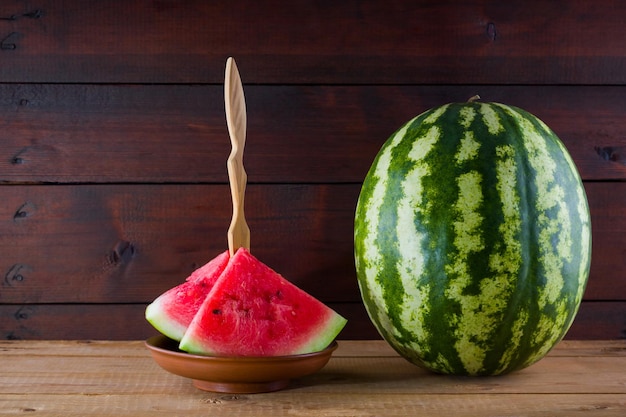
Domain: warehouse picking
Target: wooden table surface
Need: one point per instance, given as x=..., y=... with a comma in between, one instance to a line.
x=363, y=378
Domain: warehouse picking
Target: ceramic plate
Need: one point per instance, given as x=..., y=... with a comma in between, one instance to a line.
x=236, y=374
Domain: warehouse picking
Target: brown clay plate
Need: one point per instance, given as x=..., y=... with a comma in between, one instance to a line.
x=237, y=375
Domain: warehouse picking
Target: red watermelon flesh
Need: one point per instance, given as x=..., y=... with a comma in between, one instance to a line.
x=172, y=311
x=254, y=311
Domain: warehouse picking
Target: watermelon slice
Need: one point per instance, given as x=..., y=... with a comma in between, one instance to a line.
x=172, y=311
x=254, y=311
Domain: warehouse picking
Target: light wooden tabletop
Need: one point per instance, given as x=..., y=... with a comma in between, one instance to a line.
x=363, y=378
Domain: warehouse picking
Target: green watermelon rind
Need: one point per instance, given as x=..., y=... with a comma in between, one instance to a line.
x=180, y=303
x=323, y=337
x=201, y=338
x=156, y=316
x=422, y=239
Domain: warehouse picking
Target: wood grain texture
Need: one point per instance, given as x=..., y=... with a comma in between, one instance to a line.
x=361, y=379
x=128, y=243
x=174, y=396
x=113, y=138
x=321, y=134
x=479, y=41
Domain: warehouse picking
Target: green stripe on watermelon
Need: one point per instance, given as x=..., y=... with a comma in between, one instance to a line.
x=171, y=312
x=254, y=311
x=472, y=239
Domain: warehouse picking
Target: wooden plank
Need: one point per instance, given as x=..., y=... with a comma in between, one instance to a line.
x=314, y=405
x=74, y=348
x=373, y=375
x=114, y=243
x=128, y=243
x=478, y=41
x=90, y=133
x=164, y=133
x=74, y=322
x=378, y=373
x=595, y=321
x=128, y=96
x=106, y=379
x=599, y=320
x=608, y=221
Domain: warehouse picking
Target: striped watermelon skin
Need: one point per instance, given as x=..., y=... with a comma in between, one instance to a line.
x=473, y=239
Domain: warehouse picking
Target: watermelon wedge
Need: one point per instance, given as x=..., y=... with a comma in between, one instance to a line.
x=253, y=311
x=172, y=311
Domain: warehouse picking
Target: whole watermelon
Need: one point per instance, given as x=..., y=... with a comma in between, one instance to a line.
x=473, y=239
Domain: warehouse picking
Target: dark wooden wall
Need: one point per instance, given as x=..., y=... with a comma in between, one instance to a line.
x=113, y=139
